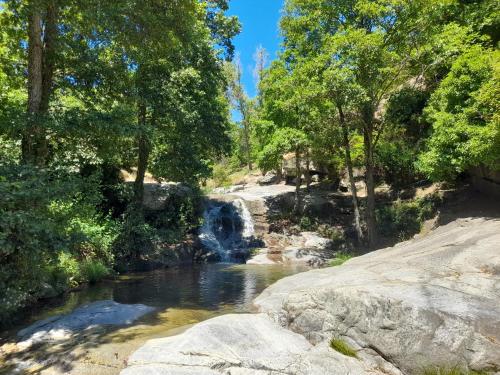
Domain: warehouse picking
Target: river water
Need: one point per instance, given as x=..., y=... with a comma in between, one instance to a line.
x=182, y=296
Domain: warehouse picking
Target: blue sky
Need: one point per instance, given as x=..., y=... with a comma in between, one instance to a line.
x=259, y=19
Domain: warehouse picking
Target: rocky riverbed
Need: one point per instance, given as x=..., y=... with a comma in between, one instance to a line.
x=432, y=301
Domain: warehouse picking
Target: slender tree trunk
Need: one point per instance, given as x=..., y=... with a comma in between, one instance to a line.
x=348, y=161
x=246, y=137
x=307, y=172
x=370, y=183
x=279, y=173
x=143, y=156
x=35, y=86
x=298, y=176
x=49, y=54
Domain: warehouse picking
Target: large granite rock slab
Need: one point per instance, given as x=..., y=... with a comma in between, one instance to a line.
x=239, y=344
x=430, y=301
x=62, y=327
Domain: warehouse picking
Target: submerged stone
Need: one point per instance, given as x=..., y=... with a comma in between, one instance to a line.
x=100, y=313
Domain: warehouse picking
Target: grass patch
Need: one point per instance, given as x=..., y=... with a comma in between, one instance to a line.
x=93, y=271
x=342, y=347
x=439, y=370
x=340, y=259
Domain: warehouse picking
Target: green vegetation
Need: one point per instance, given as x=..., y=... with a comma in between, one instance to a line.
x=404, y=219
x=340, y=259
x=439, y=370
x=342, y=347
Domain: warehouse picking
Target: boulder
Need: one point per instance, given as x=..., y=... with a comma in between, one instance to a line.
x=269, y=179
x=62, y=327
x=240, y=344
x=431, y=301
x=313, y=239
x=156, y=195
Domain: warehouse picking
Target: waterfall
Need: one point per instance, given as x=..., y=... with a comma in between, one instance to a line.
x=227, y=229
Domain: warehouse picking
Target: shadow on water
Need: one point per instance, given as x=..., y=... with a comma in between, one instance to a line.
x=181, y=296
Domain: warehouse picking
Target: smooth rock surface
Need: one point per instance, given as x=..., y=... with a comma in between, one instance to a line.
x=239, y=344
x=431, y=301
x=61, y=327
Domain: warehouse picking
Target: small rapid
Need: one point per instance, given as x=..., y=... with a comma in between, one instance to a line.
x=228, y=229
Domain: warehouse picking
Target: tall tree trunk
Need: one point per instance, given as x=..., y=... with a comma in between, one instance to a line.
x=143, y=155
x=298, y=178
x=41, y=64
x=31, y=134
x=348, y=161
x=370, y=183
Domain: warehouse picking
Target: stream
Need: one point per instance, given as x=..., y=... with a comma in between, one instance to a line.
x=181, y=297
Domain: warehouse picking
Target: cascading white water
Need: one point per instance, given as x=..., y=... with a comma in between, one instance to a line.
x=248, y=229
x=227, y=228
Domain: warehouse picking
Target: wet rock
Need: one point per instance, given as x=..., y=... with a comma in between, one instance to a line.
x=317, y=206
x=61, y=327
x=47, y=291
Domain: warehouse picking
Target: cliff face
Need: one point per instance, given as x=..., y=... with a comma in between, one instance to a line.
x=432, y=301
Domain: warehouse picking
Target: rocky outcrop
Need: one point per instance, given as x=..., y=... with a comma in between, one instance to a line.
x=62, y=327
x=433, y=301
x=239, y=344
x=307, y=248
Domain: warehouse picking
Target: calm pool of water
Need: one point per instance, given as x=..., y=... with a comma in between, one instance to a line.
x=181, y=296
x=223, y=287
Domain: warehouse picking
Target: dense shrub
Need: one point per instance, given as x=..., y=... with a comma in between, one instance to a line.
x=403, y=219
x=49, y=224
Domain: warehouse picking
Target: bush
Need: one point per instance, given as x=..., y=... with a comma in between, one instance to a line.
x=334, y=234
x=93, y=271
x=404, y=219
x=220, y=175
x=48, y=223
x=306, y=223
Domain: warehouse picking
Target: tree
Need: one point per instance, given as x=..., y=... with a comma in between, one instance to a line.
x=464, y=112
x=242, y=104
x=375, y=41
